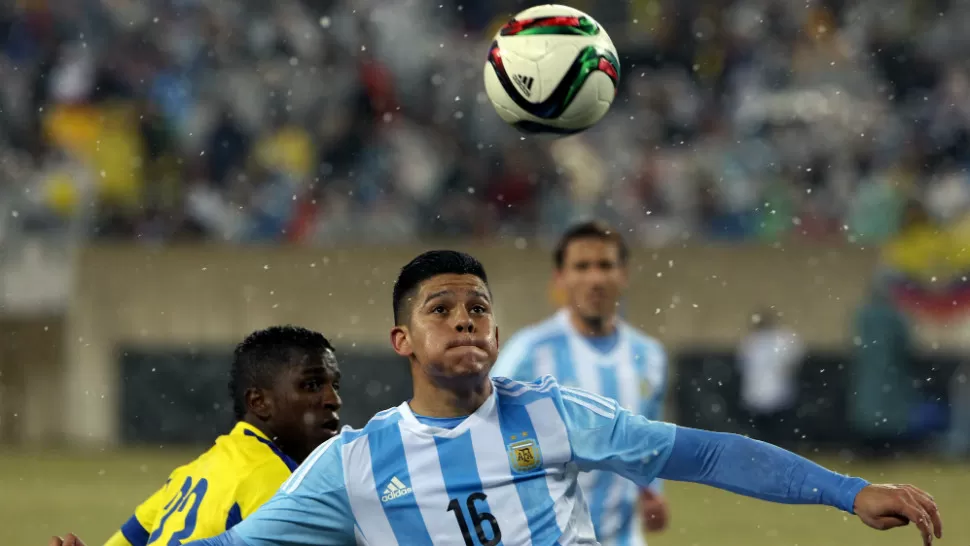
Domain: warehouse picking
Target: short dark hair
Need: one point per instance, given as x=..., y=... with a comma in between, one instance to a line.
x=428, y=265
x=593, y=229
x=264, y=353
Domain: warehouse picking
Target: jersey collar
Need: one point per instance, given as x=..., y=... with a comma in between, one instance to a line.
x=580, y=346
x=243, y=428
x=483, y=413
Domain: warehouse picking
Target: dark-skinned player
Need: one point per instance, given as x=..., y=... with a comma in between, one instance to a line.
x=284, y=384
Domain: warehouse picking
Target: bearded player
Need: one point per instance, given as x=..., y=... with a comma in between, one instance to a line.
x=587, y=345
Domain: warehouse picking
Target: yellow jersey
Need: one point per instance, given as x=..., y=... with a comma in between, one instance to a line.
x=209, y=495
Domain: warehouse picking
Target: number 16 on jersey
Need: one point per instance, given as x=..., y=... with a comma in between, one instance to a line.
x=469, y=510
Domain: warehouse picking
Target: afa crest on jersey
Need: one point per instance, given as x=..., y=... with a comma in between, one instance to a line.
x=524, y=455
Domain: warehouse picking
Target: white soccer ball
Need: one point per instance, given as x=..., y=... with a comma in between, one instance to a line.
x=552, y=69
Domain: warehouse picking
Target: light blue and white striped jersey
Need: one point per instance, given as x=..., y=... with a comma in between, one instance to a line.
x=633, y=371
x=507, y=474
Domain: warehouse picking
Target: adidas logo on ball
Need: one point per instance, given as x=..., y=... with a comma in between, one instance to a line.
x=524, y=83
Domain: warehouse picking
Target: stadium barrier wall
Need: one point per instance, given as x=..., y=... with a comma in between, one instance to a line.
x=158, y=408
x=195, y=297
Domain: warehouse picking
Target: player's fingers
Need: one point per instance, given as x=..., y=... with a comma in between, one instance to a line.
x=55, y=541
x=926, y=501
x=916, y=490
x=916, y=514
x=883, y=523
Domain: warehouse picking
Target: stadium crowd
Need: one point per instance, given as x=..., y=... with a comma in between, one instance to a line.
x=365, y=121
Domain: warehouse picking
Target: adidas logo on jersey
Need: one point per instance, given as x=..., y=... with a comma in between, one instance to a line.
x=524, y=83
x=394, y=490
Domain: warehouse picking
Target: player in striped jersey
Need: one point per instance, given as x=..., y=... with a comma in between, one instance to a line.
x=283, y=384
x=587, y=345
x=479, y=461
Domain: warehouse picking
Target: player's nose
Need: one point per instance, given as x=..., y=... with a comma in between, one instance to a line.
x=331, y=399
x=465, y=326
x=335, y=402
x=597, y=278
x=463, y=322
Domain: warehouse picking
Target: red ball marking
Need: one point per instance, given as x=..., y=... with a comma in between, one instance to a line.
x=496, y=55
x=607, y=66
x=514, y=27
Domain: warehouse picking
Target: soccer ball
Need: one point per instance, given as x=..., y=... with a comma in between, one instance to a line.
x=552, y=69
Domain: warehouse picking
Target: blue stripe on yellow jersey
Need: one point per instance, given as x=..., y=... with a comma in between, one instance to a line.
x=628, y=366
x=211, y=494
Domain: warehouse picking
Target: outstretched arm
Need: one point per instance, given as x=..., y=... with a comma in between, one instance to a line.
x=756, y=469
x=606, y=437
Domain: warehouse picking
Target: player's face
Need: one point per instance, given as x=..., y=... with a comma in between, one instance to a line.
x=592, y=277
x=305, y=402
x=451, y=331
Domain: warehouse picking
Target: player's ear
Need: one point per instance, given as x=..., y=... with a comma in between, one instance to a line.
x=624, y=275
x=558, y=281
x=258, y=403
x=401, y=341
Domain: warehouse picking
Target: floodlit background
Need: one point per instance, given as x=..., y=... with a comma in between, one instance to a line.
x=177, y=173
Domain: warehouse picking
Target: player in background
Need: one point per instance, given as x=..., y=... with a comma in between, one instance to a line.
x=479, y=461
x=587, y=345
x=284, y=384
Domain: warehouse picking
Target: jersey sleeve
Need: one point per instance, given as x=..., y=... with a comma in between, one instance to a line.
x=135, y=531
x=653, y=409
x=311, y=508
x=604, y=436
x=260, y=486
x=756, y=469
x=515, y=359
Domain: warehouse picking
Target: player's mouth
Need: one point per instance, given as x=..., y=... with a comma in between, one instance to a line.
x=467, y=341
x=330, y=427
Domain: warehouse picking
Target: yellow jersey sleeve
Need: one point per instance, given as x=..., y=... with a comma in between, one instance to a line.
x=260, y=486
x=136, y=530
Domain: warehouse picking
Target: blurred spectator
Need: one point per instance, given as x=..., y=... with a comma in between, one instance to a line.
x=958, y=439
x=882, y=394
x=770, y=358
x=736, y=120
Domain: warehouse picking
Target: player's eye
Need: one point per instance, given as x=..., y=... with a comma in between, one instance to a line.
x=312, y=385
x=479, y=309
x=439, y=309
x=335, y=385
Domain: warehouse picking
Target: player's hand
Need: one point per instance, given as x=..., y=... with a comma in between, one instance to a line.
x=69, y=540
x=887, y=506
x=653, y=509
